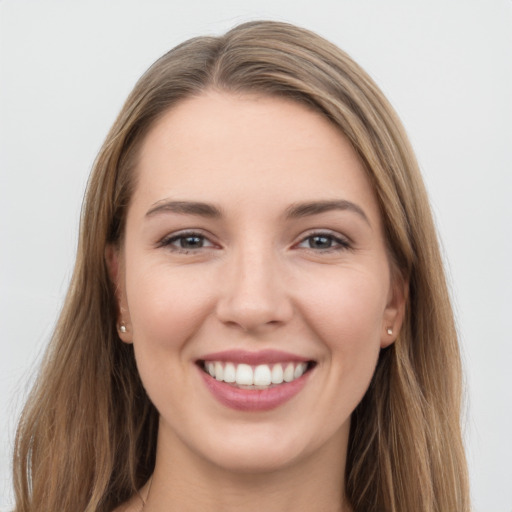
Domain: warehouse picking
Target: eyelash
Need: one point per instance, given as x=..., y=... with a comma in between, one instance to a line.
x=341, y=243
x=169, y=240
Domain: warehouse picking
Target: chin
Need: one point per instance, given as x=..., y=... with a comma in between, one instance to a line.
x=260, y=449
x=257, y=459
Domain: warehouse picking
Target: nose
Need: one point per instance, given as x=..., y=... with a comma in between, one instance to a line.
x=253, y=293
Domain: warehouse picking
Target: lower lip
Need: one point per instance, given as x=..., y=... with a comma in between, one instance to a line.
x=253, y=399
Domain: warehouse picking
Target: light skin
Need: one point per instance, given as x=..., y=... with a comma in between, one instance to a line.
x=253, y=226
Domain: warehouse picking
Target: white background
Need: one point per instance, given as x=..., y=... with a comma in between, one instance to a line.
x=446, y=65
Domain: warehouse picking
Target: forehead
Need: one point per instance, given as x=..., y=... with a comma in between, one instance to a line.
x=218, y=147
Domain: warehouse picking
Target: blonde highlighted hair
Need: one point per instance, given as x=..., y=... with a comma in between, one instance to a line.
x=86, y=440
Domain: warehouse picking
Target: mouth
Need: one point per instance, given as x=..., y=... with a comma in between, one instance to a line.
x=261, y=381
x=256, y=377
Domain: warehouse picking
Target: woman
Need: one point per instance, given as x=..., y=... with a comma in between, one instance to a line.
x=258, y=315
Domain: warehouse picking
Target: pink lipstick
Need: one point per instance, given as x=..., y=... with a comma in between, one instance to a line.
x=254, y=381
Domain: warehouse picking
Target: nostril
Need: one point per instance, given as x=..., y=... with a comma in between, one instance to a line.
x=250, y=304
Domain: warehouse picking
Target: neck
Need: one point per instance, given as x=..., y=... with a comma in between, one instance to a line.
x=185, y=482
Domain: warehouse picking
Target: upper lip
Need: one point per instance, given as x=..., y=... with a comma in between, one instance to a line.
x=254, y=358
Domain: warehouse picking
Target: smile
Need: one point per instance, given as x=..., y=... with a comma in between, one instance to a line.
x=261, y=376
x=254, y=381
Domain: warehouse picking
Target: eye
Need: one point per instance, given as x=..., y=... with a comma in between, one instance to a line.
x=186, y=242
x=324, y=242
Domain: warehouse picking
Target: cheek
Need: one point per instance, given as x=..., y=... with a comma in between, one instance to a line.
x=346, y=315
x=166, y=305
x=348, y=308
x=166, y=308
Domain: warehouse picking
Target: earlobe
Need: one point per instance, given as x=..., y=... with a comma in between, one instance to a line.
x=124, y=333
x=116, y=274
x=395, y=311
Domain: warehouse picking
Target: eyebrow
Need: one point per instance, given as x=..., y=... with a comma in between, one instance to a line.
x=294, y=211
x=184, y=208
x=317, y=207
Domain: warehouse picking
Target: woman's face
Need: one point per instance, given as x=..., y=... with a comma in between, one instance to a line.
x=253, y=253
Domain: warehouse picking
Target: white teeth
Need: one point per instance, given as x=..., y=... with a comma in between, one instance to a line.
x=277, y=374
x=244, y=375
x=299, y=370
x=229, y=373
x=261, y=376
x=288, y=373
x=219, y=371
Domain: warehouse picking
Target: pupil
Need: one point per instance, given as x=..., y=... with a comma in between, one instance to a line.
x=191, y=242
x=320, y=242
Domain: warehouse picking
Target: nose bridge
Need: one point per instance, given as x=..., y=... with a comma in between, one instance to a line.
x=254, y=294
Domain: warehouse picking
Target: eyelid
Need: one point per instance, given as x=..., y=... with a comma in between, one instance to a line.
x=342, y=241
x=169, y=239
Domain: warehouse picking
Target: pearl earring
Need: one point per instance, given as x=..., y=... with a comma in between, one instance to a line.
x=122, y=328
x=390, y=331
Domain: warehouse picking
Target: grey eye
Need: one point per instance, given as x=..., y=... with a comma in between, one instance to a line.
x=190, y=242
x=186, y=242
x=320, y=242
x=324, y=242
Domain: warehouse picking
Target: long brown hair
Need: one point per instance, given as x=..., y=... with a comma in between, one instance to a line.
x=87, y=437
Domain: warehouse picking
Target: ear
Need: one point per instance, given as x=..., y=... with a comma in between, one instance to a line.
x=115, y=266
x=394, y=313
